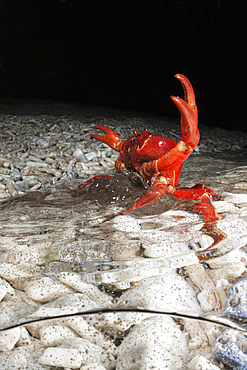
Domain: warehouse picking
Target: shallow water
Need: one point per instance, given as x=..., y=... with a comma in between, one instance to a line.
x=60, y=222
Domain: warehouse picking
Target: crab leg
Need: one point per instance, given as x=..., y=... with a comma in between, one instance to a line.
x=158, y=189
x=112, y=139
x=93, y=179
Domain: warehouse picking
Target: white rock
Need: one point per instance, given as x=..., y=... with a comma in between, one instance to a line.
x=17, y=273
x=61, y=357
x=230, y=271
x=127, y=223
x=90, y=155
x=35, y=327
x=20, y=358
x=3, y=292
x=25, y=339
x=3, y=194
x=36, y=164
x=172, y=294
x=238, y=199
x=70, y=303
x=171, y=238
x=46, y=289
x=224, y=206
x=46, y=311
x=86, y=331
x=9, y=338
x=116, y=323
x=24, y=254
x=156, y=343
x=228, y=266
x=11, y=313
x=206, y=241
x=234, y=256
x=211, y=299
x=212, y=331
x=201, y=363
x=53, y=335
x=93, y=366
x=75, y=281
x=77, y=153
x=90, y=352
x=196, y=333
x=165, y=244
x=234, y=227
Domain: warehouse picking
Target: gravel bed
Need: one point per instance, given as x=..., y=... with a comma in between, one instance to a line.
x=147, y=262
x=37, y=151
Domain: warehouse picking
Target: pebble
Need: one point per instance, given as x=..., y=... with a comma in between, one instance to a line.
x=21, y=187
x=16, y=174
x=230, y=349
x=90, y=352
x=18, y=273
x=75, y=281
x=10, y=187
x=61, y=357
x=163, y=295
x=155, y=343
x=53, y=335
x=46, y=289
x=9, y=338
x=90, y=155
x=70, y=303
x=21, y=358
x=93, y=366
x=201, y=363
x=236, y=305
x=2, y=293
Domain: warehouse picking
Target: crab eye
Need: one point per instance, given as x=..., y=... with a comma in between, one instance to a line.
x=136, y=132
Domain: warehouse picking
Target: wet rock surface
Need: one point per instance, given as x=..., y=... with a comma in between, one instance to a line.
x=56, y=261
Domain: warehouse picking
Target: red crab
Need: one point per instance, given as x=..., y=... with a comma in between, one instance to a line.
x=159, y=160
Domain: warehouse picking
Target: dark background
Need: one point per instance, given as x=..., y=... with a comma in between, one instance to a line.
x=125, y=53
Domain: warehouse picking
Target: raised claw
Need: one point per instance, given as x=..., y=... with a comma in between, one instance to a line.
x=112, y=139
x=188, y=111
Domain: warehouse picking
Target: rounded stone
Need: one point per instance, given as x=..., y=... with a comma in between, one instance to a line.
x=16, y=174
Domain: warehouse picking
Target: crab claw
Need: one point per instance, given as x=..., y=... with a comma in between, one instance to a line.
x=188, y=111
x=112, y=139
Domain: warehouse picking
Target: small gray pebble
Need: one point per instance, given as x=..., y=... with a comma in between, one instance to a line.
x=236, y=304
x=30, y=182
x=16, y=174
x=21, y=187
x=42, y=141
x=72, y=174
x=24, y=147
x=108, y=154
x=81, y=158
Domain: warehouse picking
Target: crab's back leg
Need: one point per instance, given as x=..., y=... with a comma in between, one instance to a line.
x=158, y=189
x=93, y=179
x=205, y=205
